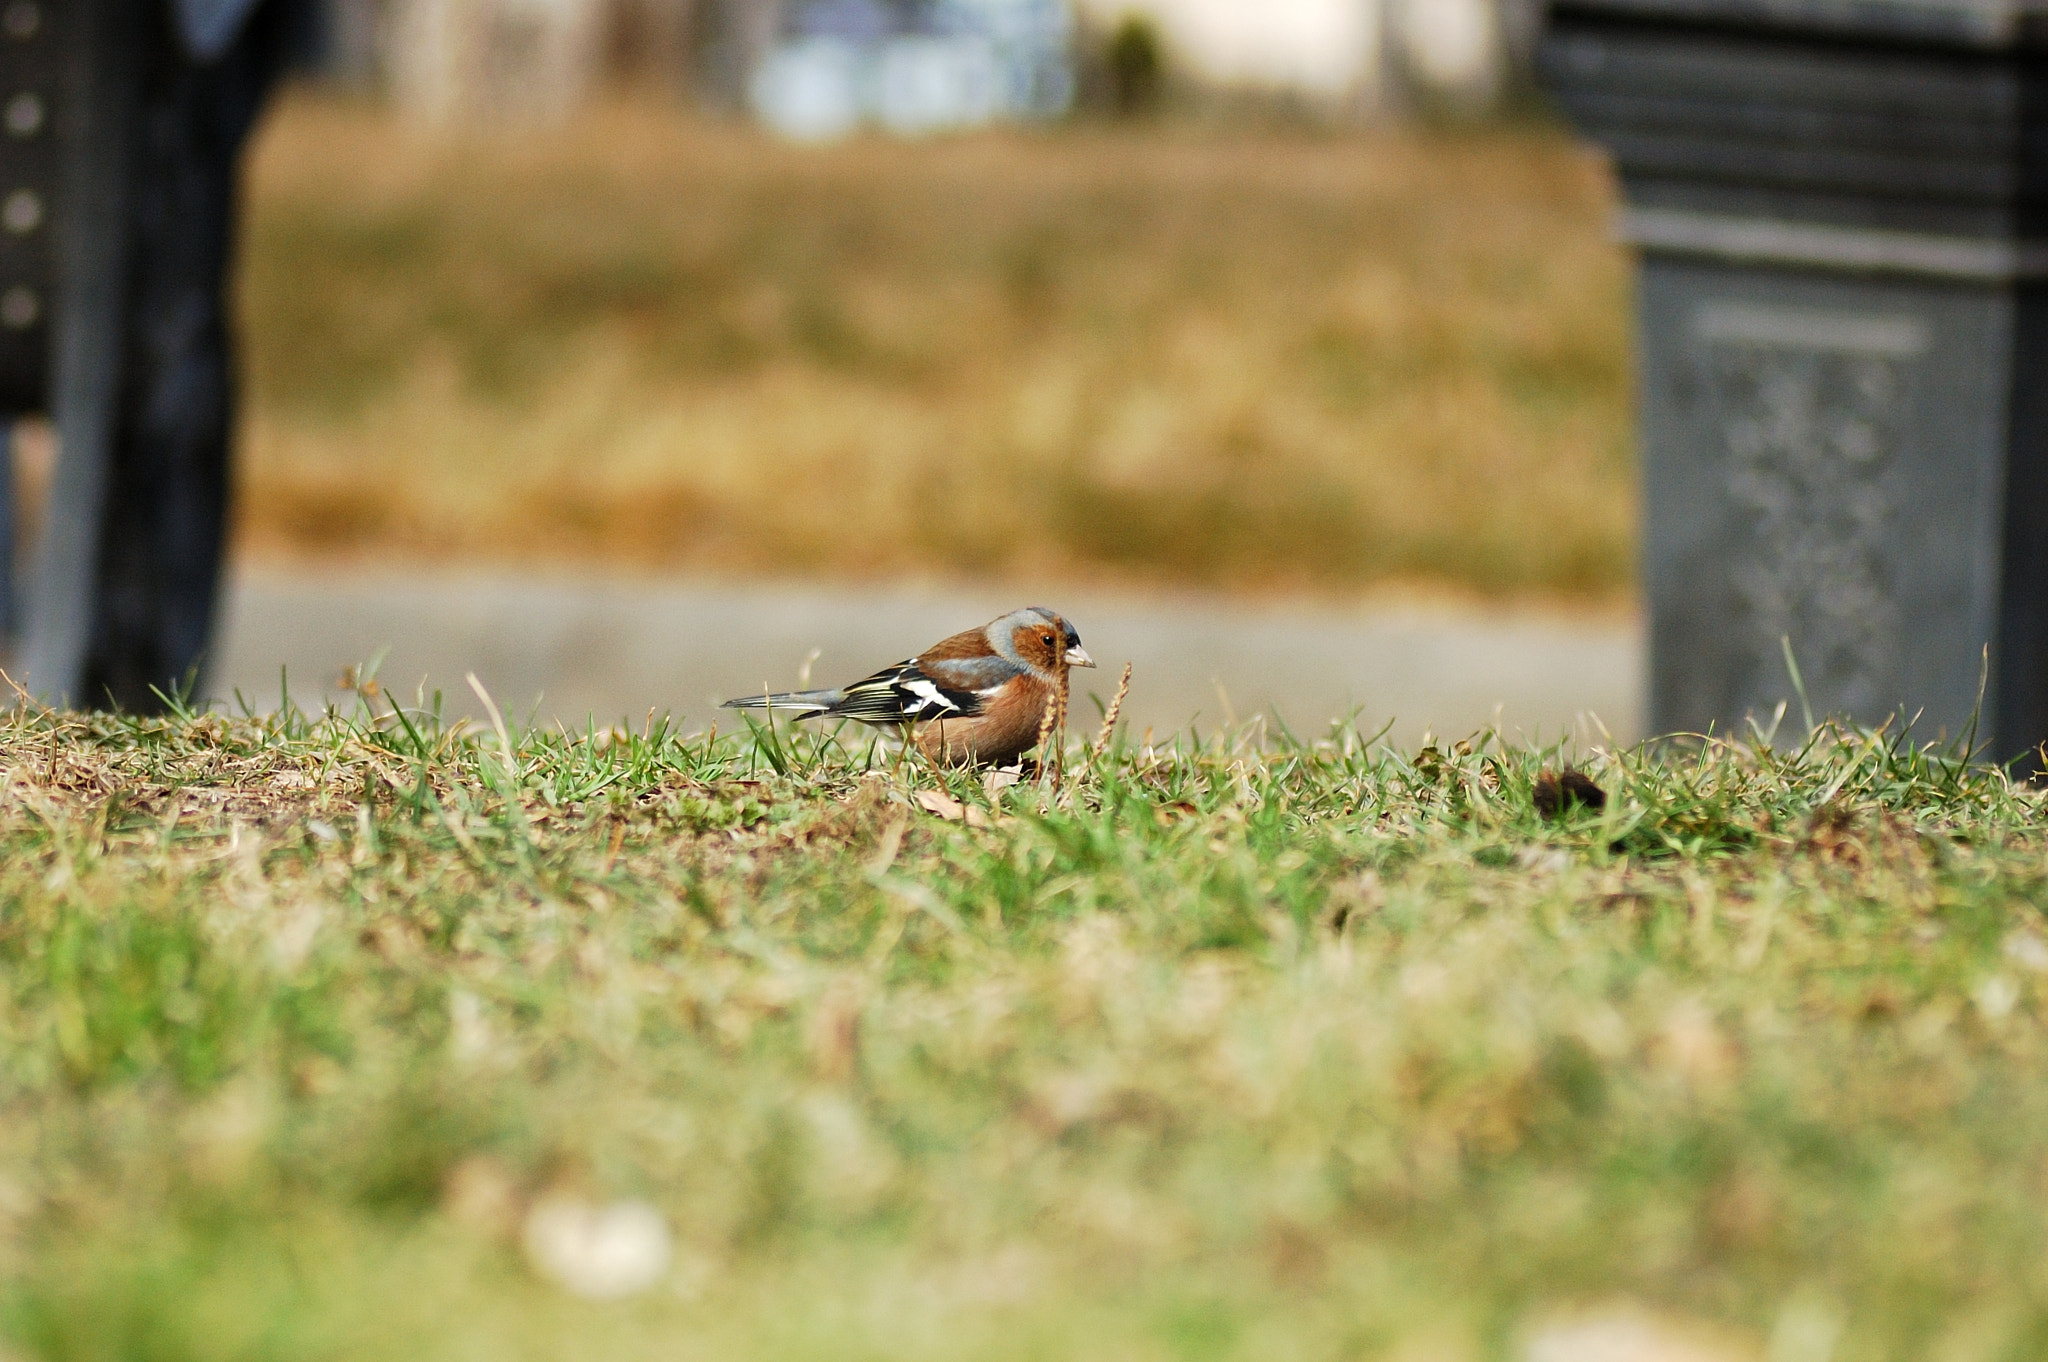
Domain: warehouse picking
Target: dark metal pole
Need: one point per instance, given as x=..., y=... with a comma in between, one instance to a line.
x=92, y=291
x=10, y=512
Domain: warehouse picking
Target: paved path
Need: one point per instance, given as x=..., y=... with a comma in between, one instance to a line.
x=565, y=647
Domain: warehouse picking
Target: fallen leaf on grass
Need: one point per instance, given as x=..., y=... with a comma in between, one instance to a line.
x=1557, y=793
x=952, y=810
x=2024, y=948
x=600, y=1252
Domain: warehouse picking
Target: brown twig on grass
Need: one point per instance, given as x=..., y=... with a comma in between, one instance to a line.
x=1054, y=720
x=1110, y=715
x=23, y=701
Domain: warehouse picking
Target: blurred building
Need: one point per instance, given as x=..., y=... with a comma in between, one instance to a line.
x=913, y=66
x=817, y=69
x=491, y=59
x=1360, y=54
x=1326, y=49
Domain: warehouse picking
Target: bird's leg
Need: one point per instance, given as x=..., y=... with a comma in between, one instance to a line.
x=939, y=754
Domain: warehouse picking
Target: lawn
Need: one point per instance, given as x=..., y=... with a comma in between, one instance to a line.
x=333, y=1038
x=1249, y=358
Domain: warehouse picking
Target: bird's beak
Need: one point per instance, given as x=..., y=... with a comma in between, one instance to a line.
x=1078, y=657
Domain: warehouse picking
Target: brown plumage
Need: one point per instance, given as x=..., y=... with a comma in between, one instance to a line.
x=979, y=697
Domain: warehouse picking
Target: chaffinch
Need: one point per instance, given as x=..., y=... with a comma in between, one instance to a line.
x=977, y=698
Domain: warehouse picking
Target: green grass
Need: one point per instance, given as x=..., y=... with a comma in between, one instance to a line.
x=1247, y=1049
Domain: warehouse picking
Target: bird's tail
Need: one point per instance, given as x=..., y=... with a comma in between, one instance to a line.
x=795, y=701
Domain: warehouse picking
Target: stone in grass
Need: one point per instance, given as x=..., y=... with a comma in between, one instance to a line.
x=600, y=1252
x=1559, y=792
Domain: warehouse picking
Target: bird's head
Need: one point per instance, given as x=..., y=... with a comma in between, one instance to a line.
x=1039, y=638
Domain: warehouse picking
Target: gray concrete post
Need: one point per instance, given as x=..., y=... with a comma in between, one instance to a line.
x=1843, y=348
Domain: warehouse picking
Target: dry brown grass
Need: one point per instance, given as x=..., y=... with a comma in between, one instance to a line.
x=1253, y=359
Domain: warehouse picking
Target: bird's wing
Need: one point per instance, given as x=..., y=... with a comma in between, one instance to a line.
x=908, y=693
x=981, y=676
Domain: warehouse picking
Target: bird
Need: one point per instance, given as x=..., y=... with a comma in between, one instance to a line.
x=978, y=698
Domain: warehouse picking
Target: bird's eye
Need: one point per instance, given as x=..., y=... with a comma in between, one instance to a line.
x=1046, y=639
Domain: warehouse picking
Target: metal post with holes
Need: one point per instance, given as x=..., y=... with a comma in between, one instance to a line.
x=31, y=73
x=121, y=128
x=98, y=61
x=1841, y=209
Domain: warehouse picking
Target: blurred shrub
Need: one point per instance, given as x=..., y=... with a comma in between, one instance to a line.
x=1135, y=61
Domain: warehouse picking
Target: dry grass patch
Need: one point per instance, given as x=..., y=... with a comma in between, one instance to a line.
x=1244, y=359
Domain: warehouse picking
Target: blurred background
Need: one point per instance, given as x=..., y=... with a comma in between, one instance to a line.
x=629, y=352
